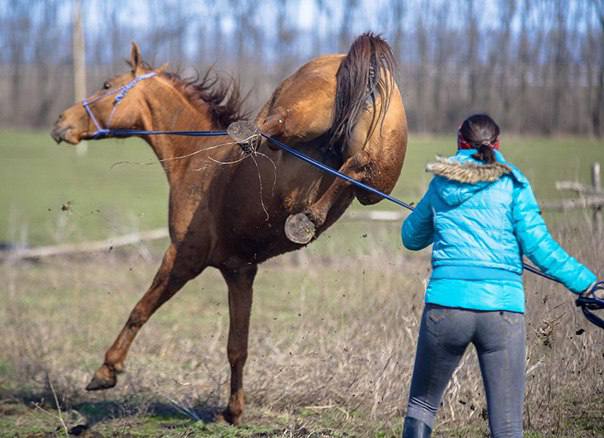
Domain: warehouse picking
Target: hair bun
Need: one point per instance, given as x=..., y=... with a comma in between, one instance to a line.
x=485, y=153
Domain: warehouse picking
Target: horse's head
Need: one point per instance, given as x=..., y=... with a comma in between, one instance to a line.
x=108, y=107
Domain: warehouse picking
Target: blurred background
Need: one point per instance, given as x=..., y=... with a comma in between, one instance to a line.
x=539, y=64
x=334, y=325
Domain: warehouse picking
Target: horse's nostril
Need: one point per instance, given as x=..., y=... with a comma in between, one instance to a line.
x=61, y=117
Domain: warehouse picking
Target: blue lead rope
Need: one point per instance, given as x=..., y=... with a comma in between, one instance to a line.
x=334, y=172
x=123, y=133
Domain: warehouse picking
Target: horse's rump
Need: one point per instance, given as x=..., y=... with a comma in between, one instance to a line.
x=326, y=98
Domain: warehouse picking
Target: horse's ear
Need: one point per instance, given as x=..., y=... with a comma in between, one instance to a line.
x=163, y=68
x=136, y=59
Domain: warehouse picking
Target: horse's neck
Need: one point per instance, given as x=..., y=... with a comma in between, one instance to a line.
x=175, y=113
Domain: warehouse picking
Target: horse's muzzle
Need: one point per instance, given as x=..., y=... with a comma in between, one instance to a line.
x=57, y=133
x=64, y=132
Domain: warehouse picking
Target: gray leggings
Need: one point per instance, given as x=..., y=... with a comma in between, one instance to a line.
x=499, y=338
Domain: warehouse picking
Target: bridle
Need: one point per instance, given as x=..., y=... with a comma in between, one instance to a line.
x=120, y=94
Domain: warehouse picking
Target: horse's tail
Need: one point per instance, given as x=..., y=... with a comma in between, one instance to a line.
x=368, y=70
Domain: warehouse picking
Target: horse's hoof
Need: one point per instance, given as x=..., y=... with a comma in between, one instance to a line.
x=104, y=378
x=228, y=417
x=299, y=228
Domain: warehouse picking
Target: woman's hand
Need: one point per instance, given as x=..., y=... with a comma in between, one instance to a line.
x=590, y=300
x=595, y=290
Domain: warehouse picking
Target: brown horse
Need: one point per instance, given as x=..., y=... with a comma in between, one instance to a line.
x=228, y=208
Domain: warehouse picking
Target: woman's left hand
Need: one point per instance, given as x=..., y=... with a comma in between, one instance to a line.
x=595, y=290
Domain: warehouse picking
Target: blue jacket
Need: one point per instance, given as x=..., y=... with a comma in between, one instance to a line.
x=481, y=220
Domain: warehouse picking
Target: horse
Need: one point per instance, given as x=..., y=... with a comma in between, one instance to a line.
x=232, y=207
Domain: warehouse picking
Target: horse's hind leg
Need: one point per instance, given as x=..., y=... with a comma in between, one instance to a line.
x=170, y=278
x=301, y=227
x=239, y=282
x=376, y=162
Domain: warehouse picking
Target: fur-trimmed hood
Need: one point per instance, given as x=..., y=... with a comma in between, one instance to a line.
x=467, y=172
x=459, y=177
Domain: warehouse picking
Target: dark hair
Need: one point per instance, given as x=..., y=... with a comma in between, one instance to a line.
x=481, y=131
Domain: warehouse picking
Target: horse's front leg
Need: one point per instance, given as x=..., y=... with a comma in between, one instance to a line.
x=239, y=282
x=170, y=278
x=301, y=227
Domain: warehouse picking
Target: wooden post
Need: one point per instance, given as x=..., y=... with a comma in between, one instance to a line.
x=79, y=64
x=596, y=182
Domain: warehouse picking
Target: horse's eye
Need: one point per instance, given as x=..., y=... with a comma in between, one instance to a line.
x=106, y=85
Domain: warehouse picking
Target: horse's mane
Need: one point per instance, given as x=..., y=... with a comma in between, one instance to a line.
x=223, y=96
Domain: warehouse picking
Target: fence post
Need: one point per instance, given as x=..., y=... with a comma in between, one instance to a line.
x=596, y=182
x=79, y=64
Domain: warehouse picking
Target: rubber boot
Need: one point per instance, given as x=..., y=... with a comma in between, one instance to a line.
x=414, y=428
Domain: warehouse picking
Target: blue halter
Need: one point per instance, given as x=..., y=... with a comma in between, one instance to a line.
x=120, y=94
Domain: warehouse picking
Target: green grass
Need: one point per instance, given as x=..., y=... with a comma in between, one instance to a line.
x=105, y=198
x=39, y=177
x=40, y=419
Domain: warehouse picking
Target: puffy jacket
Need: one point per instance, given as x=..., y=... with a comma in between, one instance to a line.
x=481, y=220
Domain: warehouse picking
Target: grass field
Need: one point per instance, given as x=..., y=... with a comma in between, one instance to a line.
x=118, y=186
x=333, y=328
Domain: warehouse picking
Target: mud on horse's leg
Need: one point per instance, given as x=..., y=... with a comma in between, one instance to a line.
x=239, y=282
x=164, y=286
x=301, y=227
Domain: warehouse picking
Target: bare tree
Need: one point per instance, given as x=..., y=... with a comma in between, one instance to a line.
x=500, y=59
x=598, y=103
x=79, y=54
x=419, y=116
x=537, y=65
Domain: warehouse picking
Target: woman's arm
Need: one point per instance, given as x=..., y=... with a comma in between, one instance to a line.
x=418, y=229
x=539, y=246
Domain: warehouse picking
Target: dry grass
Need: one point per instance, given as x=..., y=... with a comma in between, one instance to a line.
x=331, y=348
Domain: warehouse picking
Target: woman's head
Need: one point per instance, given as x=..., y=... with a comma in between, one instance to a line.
x=479, y=131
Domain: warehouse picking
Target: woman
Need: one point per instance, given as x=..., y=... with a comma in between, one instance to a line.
x=481, y=216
